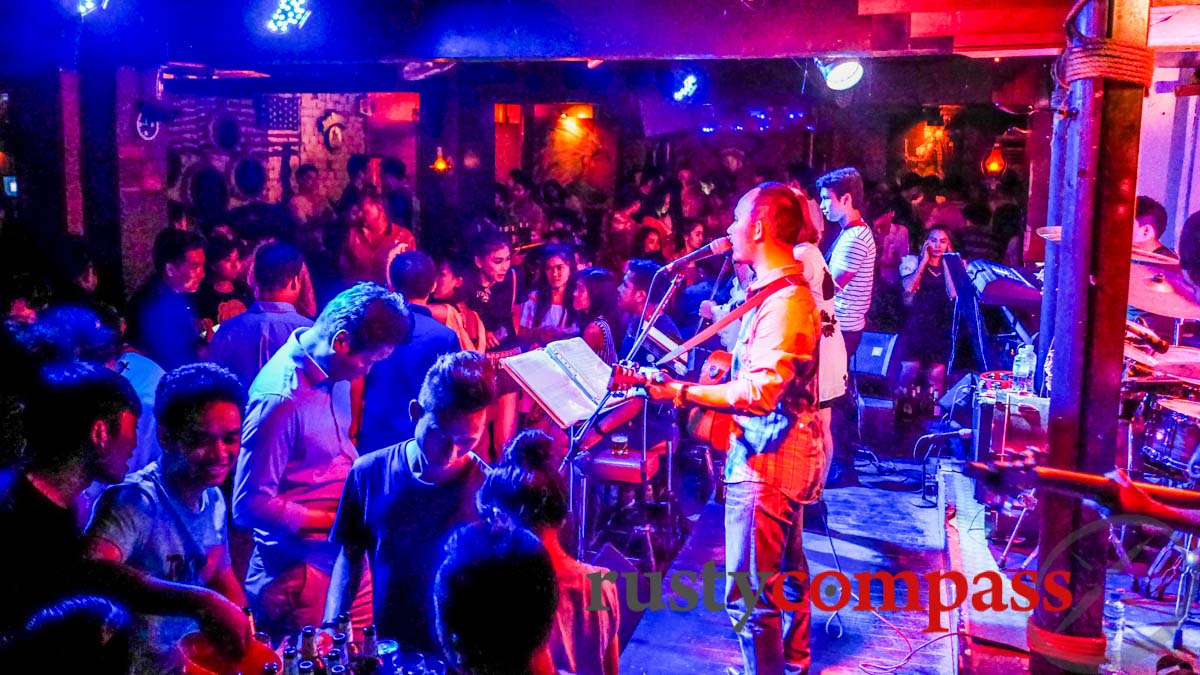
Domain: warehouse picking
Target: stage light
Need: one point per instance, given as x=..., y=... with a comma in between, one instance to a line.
x=86, y=7
x=993, y=165
x=687, y=88
x=289, y=13
x=593, y=64
x=840, y=74
x=707, y=129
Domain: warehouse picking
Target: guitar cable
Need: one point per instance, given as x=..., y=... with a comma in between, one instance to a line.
x=870, y=667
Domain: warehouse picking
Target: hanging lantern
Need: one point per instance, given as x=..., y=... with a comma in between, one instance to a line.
x=993, y=165
x=441, y=164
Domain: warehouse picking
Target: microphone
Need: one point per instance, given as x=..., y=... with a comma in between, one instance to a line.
x=1139, y=331
x=716, y=247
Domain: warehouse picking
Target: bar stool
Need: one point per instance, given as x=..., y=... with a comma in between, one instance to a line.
x=637, y=469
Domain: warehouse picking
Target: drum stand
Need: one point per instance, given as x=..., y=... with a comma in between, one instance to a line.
x=1028, y=502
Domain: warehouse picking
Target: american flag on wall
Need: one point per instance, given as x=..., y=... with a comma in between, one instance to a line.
x=264, y=125
x=280, y=116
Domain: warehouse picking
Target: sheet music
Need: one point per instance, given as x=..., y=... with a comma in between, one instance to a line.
x=544, y=379
x=583, y=365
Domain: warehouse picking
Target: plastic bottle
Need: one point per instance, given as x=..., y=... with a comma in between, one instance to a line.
x=1023, y=367
x=1114, y=626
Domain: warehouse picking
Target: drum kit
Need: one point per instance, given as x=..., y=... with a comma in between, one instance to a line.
x=1161, y=408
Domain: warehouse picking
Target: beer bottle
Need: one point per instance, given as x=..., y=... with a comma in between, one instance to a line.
x=342, y=646
x=370, y=663
x=250, y=619
x=306, y=668
x=291, y=661
x=344, y=626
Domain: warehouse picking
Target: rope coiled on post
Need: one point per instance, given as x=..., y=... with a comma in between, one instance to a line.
x=1087, y=57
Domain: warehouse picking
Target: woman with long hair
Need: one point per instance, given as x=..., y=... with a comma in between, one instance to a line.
x=545, y=316
x=656, y=212
x=648, y=244
x=526, y=490
x=492, y=293
x=596, y=312
x=929, y=294
x=448, y=305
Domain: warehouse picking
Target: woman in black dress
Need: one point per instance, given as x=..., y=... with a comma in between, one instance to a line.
x=493, y=294
x=929, y=295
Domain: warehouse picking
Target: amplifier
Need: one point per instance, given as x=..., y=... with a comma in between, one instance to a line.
x=876, y=364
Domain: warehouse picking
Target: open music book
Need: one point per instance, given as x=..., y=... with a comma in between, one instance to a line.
x=565, y=378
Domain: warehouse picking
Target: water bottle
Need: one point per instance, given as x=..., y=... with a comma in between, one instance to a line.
x=1023, y=367
x=1114, y=625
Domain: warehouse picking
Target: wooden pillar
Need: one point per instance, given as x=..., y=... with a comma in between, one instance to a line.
x=1095, y=210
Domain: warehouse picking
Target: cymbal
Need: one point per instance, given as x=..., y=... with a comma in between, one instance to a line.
x=1054, y=233
x=1140, y=357
x=1180, y=362
x=1162, y=291
x=1050, y=233
x=1154, y=258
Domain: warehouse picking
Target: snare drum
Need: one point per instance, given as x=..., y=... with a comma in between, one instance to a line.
x=1172, y=437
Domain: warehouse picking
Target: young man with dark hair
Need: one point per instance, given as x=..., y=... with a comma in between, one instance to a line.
x=396, y=380
x=296, y=452
x=775, y=462
x=489, y=566
x=1149, y=225
x=525, y=221
x=401, y=503
x=976, y=241
x=169, y=519
x=852, y=263
x=636, y=299
x=309, y=208
x=81, y=426
x=246, y=342
x=162, y=320
x=357, y=168
x=397, y=197
x=257, y=219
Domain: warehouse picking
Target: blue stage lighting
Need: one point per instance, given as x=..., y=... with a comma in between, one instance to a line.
x=290, y=13
x=86, y=7
x=687, y=88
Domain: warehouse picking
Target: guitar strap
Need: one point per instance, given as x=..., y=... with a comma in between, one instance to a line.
x=751, y=302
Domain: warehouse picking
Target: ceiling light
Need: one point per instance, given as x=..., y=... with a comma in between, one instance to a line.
x=840, y=74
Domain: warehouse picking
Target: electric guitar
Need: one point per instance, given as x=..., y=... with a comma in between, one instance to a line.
x=706, y=426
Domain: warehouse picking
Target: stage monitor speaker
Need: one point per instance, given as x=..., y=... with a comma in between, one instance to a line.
x=609, y=557
x=876, y=364
x=960, y=398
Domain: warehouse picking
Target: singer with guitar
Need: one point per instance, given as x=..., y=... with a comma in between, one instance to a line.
x=775, y=461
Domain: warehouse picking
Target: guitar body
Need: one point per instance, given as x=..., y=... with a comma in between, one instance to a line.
x=705, y=426
x=708, y=426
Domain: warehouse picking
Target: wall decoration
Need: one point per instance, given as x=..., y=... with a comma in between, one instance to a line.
x=225, y=132
x=147, y=128
x=332, y=126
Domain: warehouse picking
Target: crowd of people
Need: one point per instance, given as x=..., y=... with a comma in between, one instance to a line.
x=300, y=407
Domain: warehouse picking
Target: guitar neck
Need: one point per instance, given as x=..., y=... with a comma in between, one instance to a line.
x=1093, y=486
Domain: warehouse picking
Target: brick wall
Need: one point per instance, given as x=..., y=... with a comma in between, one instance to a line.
x=332, y=165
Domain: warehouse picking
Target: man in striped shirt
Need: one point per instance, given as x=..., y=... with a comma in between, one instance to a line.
x=852, y=263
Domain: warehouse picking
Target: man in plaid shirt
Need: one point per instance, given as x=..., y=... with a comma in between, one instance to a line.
x=775, y=461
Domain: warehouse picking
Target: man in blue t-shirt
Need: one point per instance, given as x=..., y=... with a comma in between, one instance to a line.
x=169, y=519
x=401, y=503
x=395, y=381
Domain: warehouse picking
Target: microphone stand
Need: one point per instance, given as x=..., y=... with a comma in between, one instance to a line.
x=644, y=329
